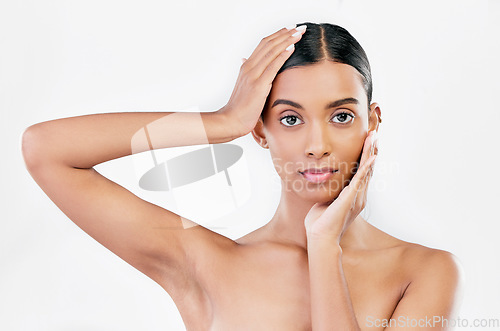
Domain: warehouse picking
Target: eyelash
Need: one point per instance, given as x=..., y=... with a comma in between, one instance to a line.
x=343, y=123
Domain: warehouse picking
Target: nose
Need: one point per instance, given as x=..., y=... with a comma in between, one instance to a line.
x=318, y=142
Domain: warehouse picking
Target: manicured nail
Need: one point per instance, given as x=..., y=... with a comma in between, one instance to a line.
x=289, y=47
x=292, y=26
x=300, y=29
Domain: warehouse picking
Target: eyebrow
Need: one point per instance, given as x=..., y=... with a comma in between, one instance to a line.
x=332, y=104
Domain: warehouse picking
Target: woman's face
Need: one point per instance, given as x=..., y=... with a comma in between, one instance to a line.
x=317, y=116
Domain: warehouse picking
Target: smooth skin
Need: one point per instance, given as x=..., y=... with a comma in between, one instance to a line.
x=317, y=265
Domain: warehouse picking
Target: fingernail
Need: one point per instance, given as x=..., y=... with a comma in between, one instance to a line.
x=301, y=27
x=292, y=26
x=289, y=47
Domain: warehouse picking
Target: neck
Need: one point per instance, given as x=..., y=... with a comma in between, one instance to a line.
x=287, y=224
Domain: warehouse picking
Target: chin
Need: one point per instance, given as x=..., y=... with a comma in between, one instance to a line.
x=322, y=195
x=313, y=192
x=323, y=199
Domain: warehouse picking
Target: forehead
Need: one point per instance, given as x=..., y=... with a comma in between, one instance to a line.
x=318, y=82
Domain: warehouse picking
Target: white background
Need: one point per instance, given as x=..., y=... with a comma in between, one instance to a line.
x=436, y=78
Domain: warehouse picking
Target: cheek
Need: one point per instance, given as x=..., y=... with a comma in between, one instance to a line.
x=282, y=158
x=348, y=153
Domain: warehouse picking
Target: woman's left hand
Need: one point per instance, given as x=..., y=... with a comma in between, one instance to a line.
x=329, y=221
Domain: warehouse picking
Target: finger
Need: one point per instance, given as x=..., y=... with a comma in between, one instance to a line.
x=368, y=146
x=363, y=190
x=278, y=57
x=273, y=38
x=243, y=60
x=358, y=182
x=272, y=49
x=348, y=197
x=366, y=173
x=359, y=200
x=264, y=42
x=277, y=34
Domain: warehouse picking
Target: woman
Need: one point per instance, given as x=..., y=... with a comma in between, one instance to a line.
x=317, y=264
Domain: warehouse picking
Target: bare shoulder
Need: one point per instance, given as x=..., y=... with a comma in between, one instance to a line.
x=426, y=269
x=417, y=256
x=424, y=262
x=432, y=279
x=421, y=257
x=434, y=269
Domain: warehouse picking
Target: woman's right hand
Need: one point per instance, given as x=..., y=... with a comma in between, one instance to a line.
x=255, y=79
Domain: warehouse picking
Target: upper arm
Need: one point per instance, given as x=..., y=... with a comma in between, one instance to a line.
x=433, y=296
x=155, y=241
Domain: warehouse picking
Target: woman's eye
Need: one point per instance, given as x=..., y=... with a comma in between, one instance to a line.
x=289, y=120
x=343, y=118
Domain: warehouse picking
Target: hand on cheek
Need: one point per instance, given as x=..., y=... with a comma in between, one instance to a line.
x=329, y=221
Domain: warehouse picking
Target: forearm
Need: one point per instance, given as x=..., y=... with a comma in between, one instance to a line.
x=331, y=306
x=85, y=141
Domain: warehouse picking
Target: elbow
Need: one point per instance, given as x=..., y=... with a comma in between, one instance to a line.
x=30, y=147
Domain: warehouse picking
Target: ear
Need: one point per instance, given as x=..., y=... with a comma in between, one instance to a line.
x=375, y=117
x=259, y=135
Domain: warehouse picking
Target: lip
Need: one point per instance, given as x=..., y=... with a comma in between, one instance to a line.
x=316, y=175
x=318, y=170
